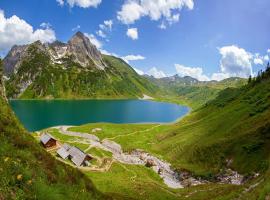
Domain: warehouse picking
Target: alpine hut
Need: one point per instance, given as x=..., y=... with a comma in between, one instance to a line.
x=63, y=152
x=47, y=140
x=78, y=157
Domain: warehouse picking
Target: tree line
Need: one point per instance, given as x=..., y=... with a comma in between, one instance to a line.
x=262, y=75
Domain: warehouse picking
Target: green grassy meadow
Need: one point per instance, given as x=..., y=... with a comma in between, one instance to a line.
x=230, y=131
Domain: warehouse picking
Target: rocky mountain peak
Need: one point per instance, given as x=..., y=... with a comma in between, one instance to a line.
x=13, y=59
x=83, y=50
x=79, y=34
x=79, y=48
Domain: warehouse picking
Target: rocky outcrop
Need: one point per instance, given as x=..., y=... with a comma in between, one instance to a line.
x=2, y=87
x=83, y=51
x=14, y=58
x=79, y=49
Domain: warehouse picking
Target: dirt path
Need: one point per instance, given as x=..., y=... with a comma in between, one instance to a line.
x=135, y=132
x=137, y=157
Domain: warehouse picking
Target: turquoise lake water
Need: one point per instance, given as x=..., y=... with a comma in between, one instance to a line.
x=39, y=114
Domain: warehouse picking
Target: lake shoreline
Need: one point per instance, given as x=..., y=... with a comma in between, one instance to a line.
x=110, y=111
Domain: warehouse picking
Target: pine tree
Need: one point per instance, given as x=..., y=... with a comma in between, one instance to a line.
x=268, y=67
x=249, y=79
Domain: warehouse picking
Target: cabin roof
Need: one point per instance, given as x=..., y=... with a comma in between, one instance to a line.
x=63, y=151
x=66, y=146
x=77, y=156
x=45, y=138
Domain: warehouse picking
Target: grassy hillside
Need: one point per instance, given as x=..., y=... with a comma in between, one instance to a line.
x=230, y=131
x=39, y=78
x=27, y=171
x=187, y=90
x=233, y=126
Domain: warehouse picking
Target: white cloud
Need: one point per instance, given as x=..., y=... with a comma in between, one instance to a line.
x=80, y=3
x=132, y=58
x=14, y=30
x=156, y=73
x=76, y=28
x=132, y=33
x=258, y=61
x=268, y=50
x=219, y=76
x=133, y=10
x=194, y=72
x=162, y=26
x=105, y=52
x=60, y=2
x=173, y=19
x=108, y=23
x=235, y=61
x=100, y=33
x=45, y=25
x=94, y=40
x=140, y=72
x=130, y=12
x=105, y=27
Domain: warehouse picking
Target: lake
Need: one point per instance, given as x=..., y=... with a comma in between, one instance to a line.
x=39, y=114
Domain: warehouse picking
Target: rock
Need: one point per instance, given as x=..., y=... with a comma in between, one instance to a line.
x=184, y=175
x=142, y=156
x=160, y=171
x=150, y=163
x=84, y=52
x=230, y=177
x=112, y=146
x=96, y=130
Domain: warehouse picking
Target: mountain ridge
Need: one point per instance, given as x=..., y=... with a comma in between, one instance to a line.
x=75, y=69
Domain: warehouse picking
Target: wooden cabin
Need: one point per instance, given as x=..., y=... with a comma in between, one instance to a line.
x=78, y=157
x=48, y=141
x=63, y=152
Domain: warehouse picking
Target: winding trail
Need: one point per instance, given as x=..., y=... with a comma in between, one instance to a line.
x=136, y=157
x=135, y=132
x=139, y=157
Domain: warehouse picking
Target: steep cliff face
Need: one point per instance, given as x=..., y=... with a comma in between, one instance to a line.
x=2, y=87
x=13, y=60
x=83, y=51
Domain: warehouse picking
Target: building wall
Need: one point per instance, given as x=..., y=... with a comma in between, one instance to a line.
x=51, y=143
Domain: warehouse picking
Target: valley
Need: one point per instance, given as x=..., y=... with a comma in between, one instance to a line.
x=237, y=139
x=219, y=150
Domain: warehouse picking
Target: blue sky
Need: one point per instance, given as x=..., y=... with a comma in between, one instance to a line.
x=206, y=39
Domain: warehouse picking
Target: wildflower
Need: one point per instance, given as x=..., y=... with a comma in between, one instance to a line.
x=19, y=177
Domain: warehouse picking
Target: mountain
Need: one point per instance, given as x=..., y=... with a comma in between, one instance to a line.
x=191, y=91
x=75, y=69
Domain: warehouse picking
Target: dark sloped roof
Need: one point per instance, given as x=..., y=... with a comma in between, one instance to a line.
x=77, y=156
x=46, y=138
x=63, y=151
